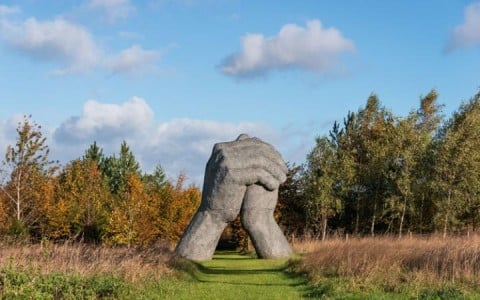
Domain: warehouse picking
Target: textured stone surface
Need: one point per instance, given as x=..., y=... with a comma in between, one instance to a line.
x=242, y=175
x=257, y=219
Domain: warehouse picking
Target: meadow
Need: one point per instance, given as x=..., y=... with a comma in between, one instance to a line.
x=357, y=268
x=428, y=267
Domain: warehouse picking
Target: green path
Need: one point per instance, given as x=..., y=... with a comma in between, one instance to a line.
x=233, y=276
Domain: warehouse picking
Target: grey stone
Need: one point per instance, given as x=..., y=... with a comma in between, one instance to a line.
x=257, y=219
x=240, y=176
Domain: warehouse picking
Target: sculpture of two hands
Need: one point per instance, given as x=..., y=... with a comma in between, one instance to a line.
x=243, y=177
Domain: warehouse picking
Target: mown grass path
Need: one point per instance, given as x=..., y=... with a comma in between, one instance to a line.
x=233, y=276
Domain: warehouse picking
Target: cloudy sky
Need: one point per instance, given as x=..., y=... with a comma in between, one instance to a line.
x=172, y=77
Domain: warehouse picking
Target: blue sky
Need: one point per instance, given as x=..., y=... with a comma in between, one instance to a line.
x=172, y=77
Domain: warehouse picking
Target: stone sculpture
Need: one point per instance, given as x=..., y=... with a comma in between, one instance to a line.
x=243, y=177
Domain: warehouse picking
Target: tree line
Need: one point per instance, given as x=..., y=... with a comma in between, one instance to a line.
x=378, y=173
x=374, y=173
x=95, y=198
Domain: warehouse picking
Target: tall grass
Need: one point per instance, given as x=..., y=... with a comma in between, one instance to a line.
x=131, y=265
x=393, y=261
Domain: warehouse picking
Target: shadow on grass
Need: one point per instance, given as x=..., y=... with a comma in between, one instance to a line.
x=235, y=271
x=201, y=273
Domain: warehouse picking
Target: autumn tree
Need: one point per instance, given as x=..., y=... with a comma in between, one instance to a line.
x=28, y=175
x=78, y=209
x=133, y=218
x=177, y=205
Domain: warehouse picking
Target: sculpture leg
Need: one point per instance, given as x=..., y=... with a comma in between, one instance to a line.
x=257, y=219
x=201, y=237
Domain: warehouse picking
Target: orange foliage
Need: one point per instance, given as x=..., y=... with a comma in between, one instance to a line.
x=177, y=207
x=132, y=220
x=3, y=215
x=78, y=204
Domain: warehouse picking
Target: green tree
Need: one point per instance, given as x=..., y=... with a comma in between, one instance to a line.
x=321, y=199
x=428, y=120
x=290, y=211
x=157, y=181
x=404, y=148
x=95, y=154
x=457, y=167
x=118, y=170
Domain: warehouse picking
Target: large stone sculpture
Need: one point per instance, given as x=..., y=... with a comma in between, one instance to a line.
x=241, y=176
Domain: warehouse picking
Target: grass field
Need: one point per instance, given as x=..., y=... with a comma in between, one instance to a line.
x=85, y=272
x=392, y=268
x=233, y=276
x=367, y=268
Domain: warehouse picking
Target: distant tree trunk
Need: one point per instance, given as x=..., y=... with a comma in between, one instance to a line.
x=445, y=224
x=421, y=212
x=402, y=217
x=372, y=228
x=19, y=214
x=324, y=227
x=357, y=217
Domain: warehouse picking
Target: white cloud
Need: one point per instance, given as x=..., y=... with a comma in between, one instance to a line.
x=185, y=144
x=58, y=41
x=72, y=47
x=8, y=10
x=7, y=132
x=101, y=121
x=132, y=60
x=113, y=9
x=313, y=48
x=179, y=145
x=467, y=33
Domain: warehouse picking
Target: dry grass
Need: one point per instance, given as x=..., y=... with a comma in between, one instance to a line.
x=133, y=265
x=414, y=260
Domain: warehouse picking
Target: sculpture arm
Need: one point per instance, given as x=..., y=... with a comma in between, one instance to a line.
x=257, y=219
x=202, y=235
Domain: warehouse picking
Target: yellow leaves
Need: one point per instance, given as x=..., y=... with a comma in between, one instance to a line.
x=3, y=213
x=132, y=221
x=177, y=206
x=58, y=221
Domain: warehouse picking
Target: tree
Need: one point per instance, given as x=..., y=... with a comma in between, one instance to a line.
x=3, y=214
x=350, y=185
x=80, y=200
x=457, y=166
x=428, y=118
x=404, y=148
x=133, y=218
x=290, y=212
x=321, y=199
x=362, y=150
x=157, y=181
x=95, y=154
x=29, y=171
x=176, y=207
x=118, y=170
